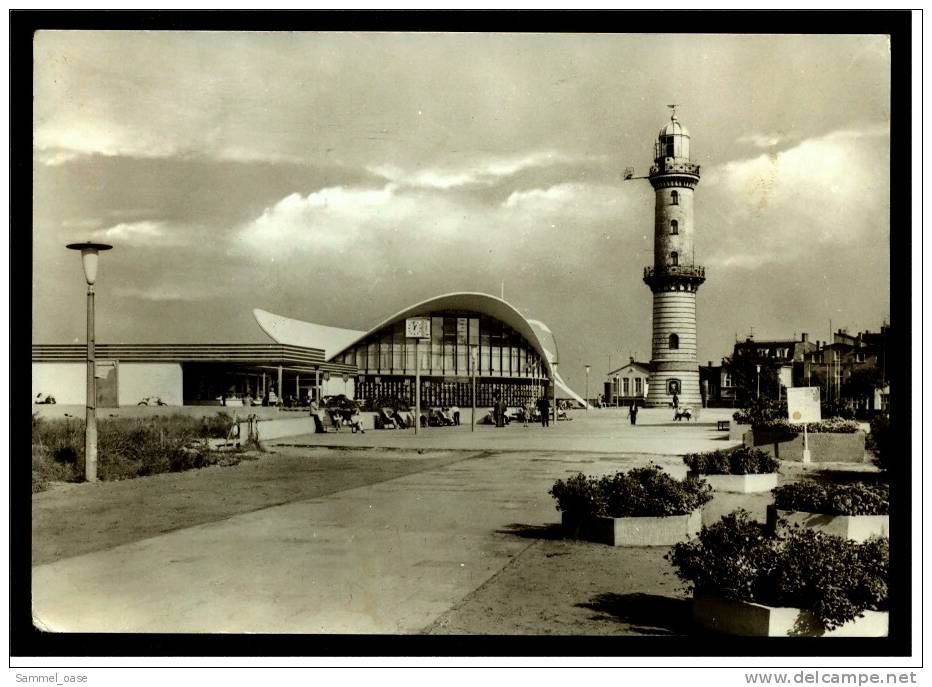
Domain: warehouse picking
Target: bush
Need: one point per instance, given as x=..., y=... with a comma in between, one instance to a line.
x=834, y=409
x=834, y=578
x=760, y=410
x=836, y=425
x=739, y=461
x=878, y=441
x=641, y=492
x=833, y=499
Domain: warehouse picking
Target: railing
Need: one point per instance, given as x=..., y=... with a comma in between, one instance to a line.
x=693, y=271
x=670, y=167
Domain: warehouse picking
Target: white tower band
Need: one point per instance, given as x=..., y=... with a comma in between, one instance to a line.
x=674, y=277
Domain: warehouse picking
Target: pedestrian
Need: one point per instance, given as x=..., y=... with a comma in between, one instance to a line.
x=543, y=406
x=502, y=413
x=633, y=413
x=528, y=411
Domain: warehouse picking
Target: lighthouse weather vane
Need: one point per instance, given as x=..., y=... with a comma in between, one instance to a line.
x=673, y=111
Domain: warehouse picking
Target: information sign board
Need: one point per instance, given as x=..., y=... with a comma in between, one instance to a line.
x=802, y=404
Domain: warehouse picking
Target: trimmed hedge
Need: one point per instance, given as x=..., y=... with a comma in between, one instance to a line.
x=641, y=492
x=834, y=578
x=833, y=499
x=743, y=460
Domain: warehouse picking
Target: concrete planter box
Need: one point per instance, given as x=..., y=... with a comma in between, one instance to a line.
x=857, y=527
x=737, y=431
x=756, y=620
x=635, y=531
x=824, y=448
x=740, y=484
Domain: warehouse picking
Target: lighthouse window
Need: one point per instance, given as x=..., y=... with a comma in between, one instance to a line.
x=674, y=258
x=674, y=199
x=674, y=227
x=674, y=341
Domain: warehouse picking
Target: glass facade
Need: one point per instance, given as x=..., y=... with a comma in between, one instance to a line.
x=506, y=364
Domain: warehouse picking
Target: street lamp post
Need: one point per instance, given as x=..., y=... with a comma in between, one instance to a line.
x=587, y=388
x=89, y=252
x=758, y=382
x=554, y=392
x=474, y=363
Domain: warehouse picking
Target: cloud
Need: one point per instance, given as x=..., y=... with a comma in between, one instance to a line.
x=762, y=140
x=825, y=191
x=140, y=233
x=481, y=172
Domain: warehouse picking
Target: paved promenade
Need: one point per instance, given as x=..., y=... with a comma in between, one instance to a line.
x=390, y=557
x=605, y=430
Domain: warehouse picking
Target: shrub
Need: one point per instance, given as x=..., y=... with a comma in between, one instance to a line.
x=834, y=426
x=127, y=447
x=641, y=492
x=739, y=461
x=834, y=578
x=878, y=441
x=833, y=499
x=760, y=410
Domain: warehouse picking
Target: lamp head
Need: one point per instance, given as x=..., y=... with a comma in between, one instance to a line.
x=89, y=253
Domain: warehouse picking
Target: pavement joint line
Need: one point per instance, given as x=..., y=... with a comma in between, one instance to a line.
x=426, y=630
x=261, y=509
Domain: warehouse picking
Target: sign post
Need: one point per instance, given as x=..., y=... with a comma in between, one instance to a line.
x=417, y=328
x=802, y=406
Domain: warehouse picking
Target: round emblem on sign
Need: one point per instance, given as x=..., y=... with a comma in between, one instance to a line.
x=796, y=415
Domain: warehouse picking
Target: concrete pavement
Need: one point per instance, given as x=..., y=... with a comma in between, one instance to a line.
x=605, y=430
x=389, y=557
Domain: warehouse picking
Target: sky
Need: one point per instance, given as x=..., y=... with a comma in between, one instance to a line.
x=340, y=177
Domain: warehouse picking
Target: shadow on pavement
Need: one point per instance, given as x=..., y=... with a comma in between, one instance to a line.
x=649, y=614
x=551, y=531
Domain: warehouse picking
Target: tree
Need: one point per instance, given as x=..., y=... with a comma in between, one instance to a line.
x=862, y=383
x=744, y=377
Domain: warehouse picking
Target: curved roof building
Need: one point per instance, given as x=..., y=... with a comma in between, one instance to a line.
x=512, y=357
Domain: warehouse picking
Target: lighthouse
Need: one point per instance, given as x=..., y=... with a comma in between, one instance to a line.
x=674, y=278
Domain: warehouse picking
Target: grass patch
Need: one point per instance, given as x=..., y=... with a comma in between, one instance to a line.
x=126, y=447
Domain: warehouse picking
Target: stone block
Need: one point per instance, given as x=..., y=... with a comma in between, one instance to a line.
x=824, y=448
x=633, y=531
x=856, y=527
x=757, y=620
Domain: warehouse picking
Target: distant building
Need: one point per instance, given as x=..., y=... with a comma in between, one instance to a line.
x=851, y=369
x=717, y=385
x=785, y=356
x=472, y=336
x=627, y=384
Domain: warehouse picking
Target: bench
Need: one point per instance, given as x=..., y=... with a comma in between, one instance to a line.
x=723, y=425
